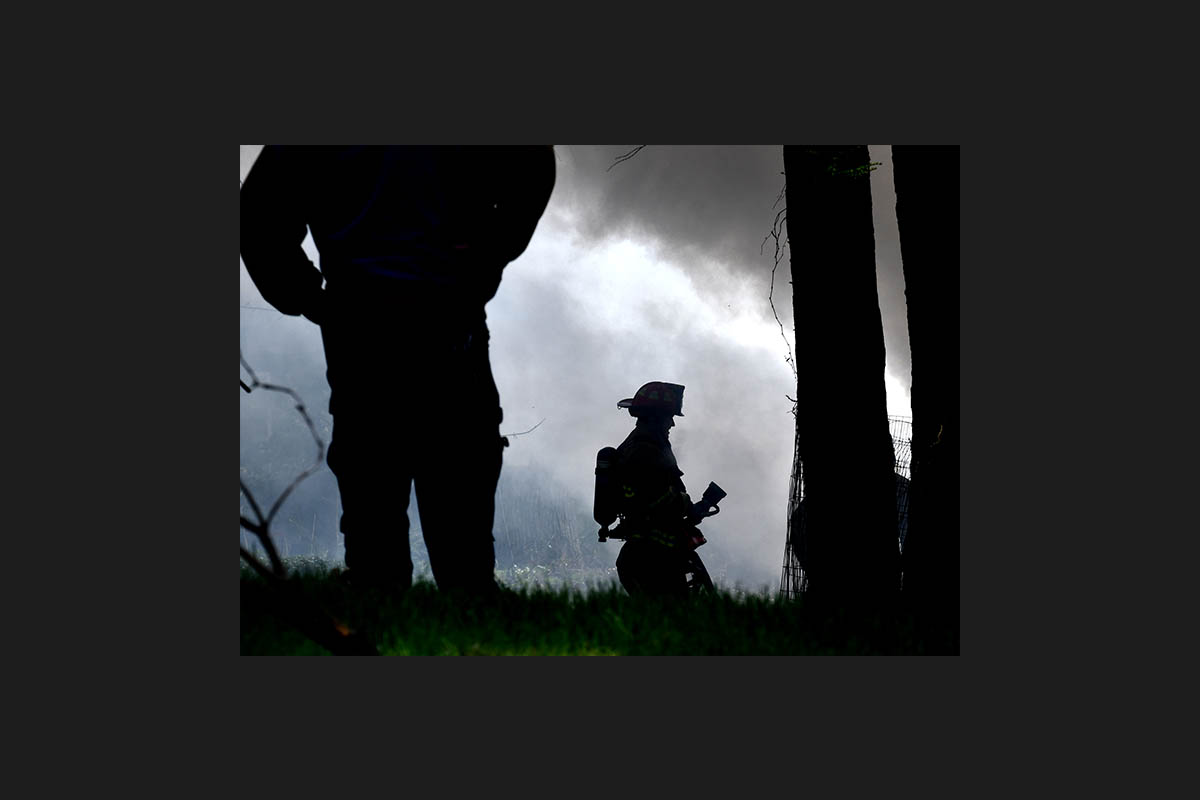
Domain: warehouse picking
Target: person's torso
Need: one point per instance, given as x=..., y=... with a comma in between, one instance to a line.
x=408, y=217
x=648, y=473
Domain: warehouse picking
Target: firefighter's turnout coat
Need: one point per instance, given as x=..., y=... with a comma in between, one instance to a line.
x=653, y=501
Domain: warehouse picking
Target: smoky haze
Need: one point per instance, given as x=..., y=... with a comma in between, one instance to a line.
x=710, y=209
x=655, y=269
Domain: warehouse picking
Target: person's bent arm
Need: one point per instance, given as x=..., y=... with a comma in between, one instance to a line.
x=651, y=487
x=272, y=235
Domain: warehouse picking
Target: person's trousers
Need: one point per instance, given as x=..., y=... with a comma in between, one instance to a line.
x=414, y=404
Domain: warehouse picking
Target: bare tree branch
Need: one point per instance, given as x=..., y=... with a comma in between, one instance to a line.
x=262, y=531
x=253, y=506
x=307, y=615
x=253, y=527
x=255, y=383
x=781, y=191
x=262, y=528
x=258, y=566
x=778, y=229
x=522, y=433
x=626, y=157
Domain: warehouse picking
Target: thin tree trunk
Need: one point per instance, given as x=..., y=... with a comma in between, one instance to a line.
x=927, y=213
x=841, y=422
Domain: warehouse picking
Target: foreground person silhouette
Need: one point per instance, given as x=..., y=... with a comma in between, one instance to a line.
x=412, y=244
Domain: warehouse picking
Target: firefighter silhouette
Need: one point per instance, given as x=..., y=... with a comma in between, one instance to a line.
x=640, y=483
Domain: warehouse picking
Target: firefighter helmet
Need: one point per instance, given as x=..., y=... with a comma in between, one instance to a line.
x=655, y=396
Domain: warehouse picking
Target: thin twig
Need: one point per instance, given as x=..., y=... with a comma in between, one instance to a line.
x=263, y=527
x=307, y=615
x=264, y=536
x=522, y=433
x=253, y=505
x=257, y=384
x=258, y=566
x=253, y=527
x=778, y=227
x=626, y=157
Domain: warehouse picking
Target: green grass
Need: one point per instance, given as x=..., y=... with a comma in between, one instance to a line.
x=563, y=621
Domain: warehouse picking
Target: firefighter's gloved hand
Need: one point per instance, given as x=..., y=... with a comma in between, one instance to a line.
x=699, y=511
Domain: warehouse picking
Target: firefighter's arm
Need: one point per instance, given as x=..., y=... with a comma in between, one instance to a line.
x=272, y=234
x=672, y=504
x=652, y=486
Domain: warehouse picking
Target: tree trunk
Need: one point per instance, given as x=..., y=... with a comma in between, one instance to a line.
x=844, y=444
x=927, y=215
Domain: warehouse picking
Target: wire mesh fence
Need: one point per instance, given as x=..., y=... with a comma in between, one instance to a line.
x=794, y=580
